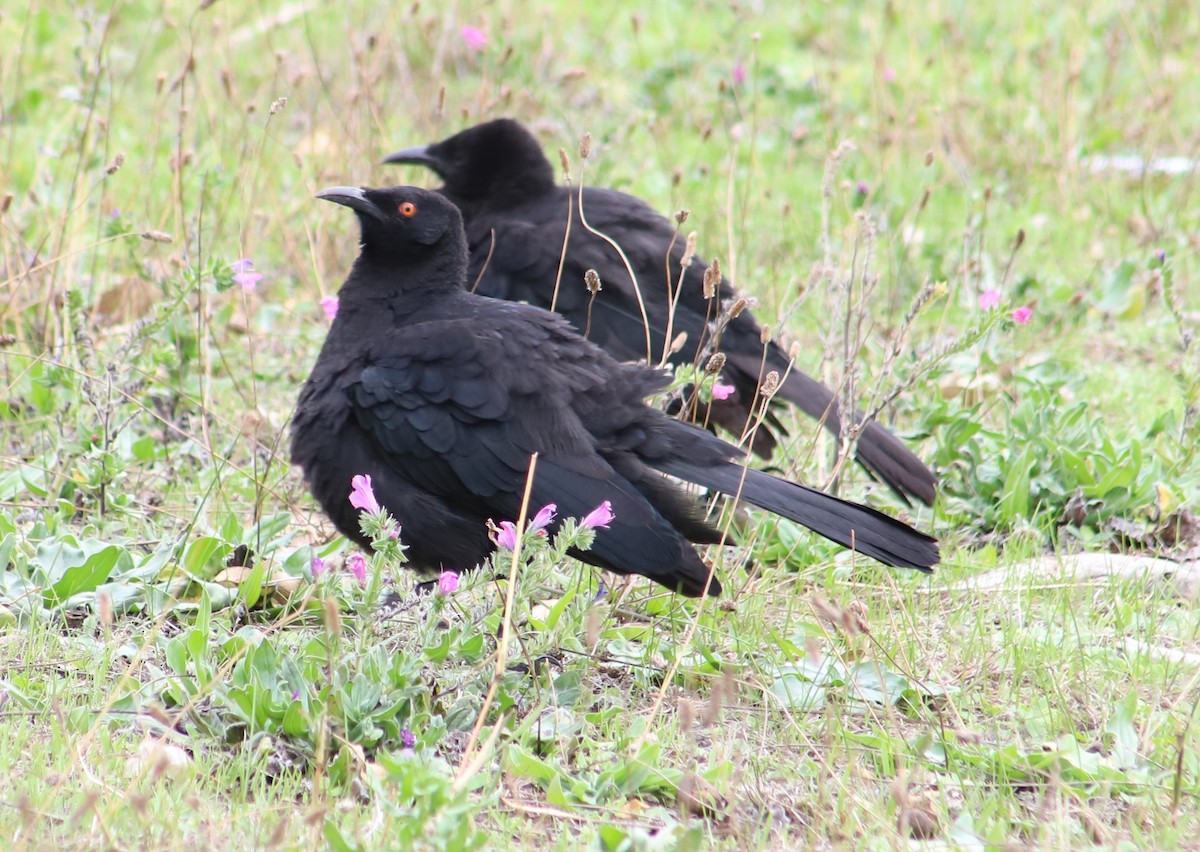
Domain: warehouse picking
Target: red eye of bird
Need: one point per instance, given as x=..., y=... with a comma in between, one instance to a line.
x=408, y=209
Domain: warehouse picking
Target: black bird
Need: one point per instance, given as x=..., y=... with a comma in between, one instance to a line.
x=516, y=216
x=441, y=396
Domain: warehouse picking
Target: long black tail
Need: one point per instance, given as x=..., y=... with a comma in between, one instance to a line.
x=861, y=528
x=879, y=451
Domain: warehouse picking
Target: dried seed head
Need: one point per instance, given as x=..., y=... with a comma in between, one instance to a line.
x=592, y=279
x=441, y=102
x=278, y=104
x=682, y=216
x=770, y=384
x=1020, y=240
x=712, y=277
x=157, y=237
x=104, y=606
x=685, y=716
x=738, y=306
x=854, y=619
x=160, y=715
x=712, y=710
x=924, y=199
x=678, y=342
x=764, y=336
x=967, y=736
x=918, y=823
x=585, y=146
x=689, y=250
x=825, y=610
x=566, y=163
x=595, y=621
x=333, y=618
x=929, y=157
x=117, y=162
x=715, y=363
x=987, y=194
x=6, y=202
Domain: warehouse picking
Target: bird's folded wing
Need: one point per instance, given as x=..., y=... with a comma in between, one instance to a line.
x=461, y=423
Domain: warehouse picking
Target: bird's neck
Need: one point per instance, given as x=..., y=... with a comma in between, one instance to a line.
x=501, y=194
x=383, y=278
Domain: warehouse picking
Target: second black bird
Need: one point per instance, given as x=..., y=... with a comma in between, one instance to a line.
x=441, y=396
x=520, y=249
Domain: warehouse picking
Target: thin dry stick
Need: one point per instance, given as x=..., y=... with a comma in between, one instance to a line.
x=562, y=255
x=637, y=290
x=464, y=766
x=673, y=298
x=487, y=261
x=694, y=621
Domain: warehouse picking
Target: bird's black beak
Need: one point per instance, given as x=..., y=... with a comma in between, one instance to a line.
x=418, y=155
x=352, y=197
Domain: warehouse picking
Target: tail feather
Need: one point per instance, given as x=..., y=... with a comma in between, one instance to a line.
x=879, y=451
x=851, y=525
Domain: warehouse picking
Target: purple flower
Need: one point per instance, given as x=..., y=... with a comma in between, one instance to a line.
x=862, y=188
x=393, y=531
x=720, y=391
x=330, y=305
x=544, y=518
x=356, y=564
x=600, y=592
x=598, y=518
x=988, y=299
x=474, y=37
x=1161, y=255
x=295, y=694
x=318, y=566
x=507, y=537
x=447, y=582
x=739, y=74
x=407, y=738
x=362, y=495
x=1021, y=315
x=244, y=276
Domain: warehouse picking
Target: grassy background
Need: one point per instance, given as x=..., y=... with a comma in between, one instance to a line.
x=145, y=398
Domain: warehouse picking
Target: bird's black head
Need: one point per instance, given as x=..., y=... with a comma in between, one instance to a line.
x=497, y=161
x=403, y=221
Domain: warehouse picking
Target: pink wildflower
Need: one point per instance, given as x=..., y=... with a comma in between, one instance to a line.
x=598, y=518
x=474, y=37
x=988, y=299
x=507, y=537
x=447, y=582
x=739, y=74
x=317, y=566
x=720, y=391
x=244, y=276
x=362, y=495
x=356, y=564
x=330, y=305
x=544, y=518
x=1021, y=315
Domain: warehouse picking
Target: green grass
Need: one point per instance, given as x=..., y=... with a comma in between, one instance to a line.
x=144, y=399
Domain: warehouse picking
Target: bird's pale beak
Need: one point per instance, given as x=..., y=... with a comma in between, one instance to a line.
x=418, y=155
x=352, y=197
